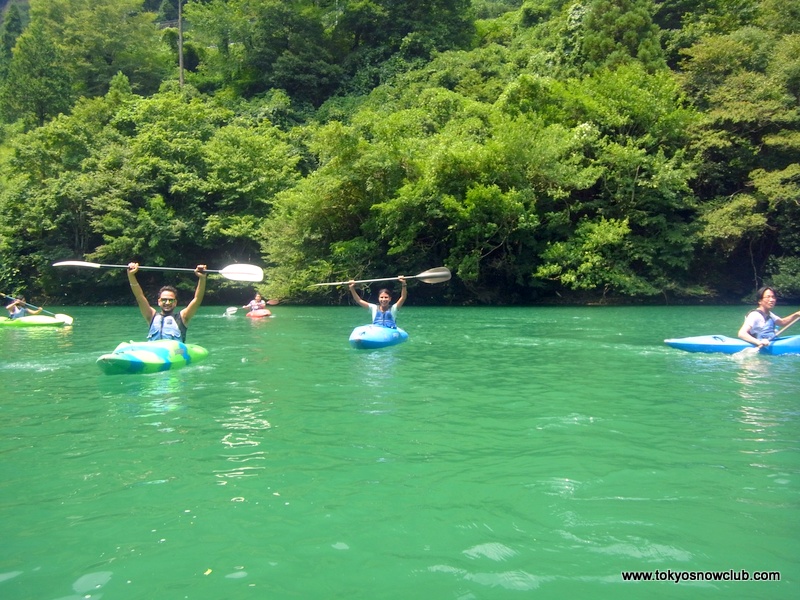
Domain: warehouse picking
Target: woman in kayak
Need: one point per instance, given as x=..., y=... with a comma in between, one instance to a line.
x=759, y=324
x=382, y=313
x=256, y=303
x=167, y=325
x=19, y=309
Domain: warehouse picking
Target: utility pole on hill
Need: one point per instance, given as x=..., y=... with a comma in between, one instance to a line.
x=180, y=44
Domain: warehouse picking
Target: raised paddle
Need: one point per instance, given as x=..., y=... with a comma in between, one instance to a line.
x=437, y=275
x=757, y=349
x=232, y=272
x=66, y=319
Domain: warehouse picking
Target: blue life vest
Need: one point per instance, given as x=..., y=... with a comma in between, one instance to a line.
x=169, y=327
x=765, y=331
x=384, y=319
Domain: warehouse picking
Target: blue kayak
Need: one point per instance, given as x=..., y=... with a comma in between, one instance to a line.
x=789, y=344
x=368, y=337
x=150, y=357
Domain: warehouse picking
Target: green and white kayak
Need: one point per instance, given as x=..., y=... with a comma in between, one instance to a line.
x=32, y=321
x=150, y=357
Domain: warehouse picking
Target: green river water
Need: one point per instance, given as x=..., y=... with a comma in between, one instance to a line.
x=501, y=453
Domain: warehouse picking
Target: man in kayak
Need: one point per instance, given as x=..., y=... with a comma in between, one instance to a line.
x=759, y=324
x=167, y=324
x=382, y=313
x=18, y=309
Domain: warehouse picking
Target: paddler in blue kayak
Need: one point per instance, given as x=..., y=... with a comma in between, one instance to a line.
x=382, y=313
x=19, y=308
x=759, y=324
x=167, y=325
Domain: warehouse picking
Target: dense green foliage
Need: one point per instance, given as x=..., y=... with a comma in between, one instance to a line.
x=540, y=149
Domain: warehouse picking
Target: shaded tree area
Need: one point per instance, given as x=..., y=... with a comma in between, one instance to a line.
x=616, y=150
x=169, y=179
x=315, y=49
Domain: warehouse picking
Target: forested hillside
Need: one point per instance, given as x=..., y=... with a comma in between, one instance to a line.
x=543, y=150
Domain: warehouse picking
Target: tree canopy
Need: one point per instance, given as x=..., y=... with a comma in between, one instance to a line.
x=616, y=150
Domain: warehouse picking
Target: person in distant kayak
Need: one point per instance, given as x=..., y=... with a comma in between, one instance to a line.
x=18, y=308
x=382, y=313
x=759, y=324
x=256, y=303
x=167, y=324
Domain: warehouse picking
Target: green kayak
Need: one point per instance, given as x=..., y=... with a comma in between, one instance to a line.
x=32, y=321
x=150, y=357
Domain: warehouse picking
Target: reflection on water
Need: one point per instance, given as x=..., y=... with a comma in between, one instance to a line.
x=753, y=372
x=243, y=426
x=756, y=378
x=519, y=581
x=146, y=395
x=21, y=348
x=86, y=587
x=376, y=368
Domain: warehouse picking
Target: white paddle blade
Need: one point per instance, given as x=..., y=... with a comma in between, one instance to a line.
x=437, y=275
x=747, y=354
x=243, y=273
x=77, y=263
x=230, y=311
x=749, y=351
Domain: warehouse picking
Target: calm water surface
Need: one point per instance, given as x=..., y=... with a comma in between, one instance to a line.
x=499, y=453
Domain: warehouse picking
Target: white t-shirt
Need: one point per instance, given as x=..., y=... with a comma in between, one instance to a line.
x=757, y=325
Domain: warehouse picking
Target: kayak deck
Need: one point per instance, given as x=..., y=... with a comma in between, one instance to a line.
x=368, y=337
x=150, y=357
x=32, y=321
x=789, y=344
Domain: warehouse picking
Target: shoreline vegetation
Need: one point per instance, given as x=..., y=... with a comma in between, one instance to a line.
x=547, y=152
x=229, y=297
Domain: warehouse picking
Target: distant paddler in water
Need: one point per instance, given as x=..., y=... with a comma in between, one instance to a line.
x=22, y=314
x=18, y=308
x=383, y=331
x=166, y=324
x=257, y=303
x=257, y=307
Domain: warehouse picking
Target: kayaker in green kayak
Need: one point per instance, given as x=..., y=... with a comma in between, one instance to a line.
x=167, y=324
x=18, y=308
